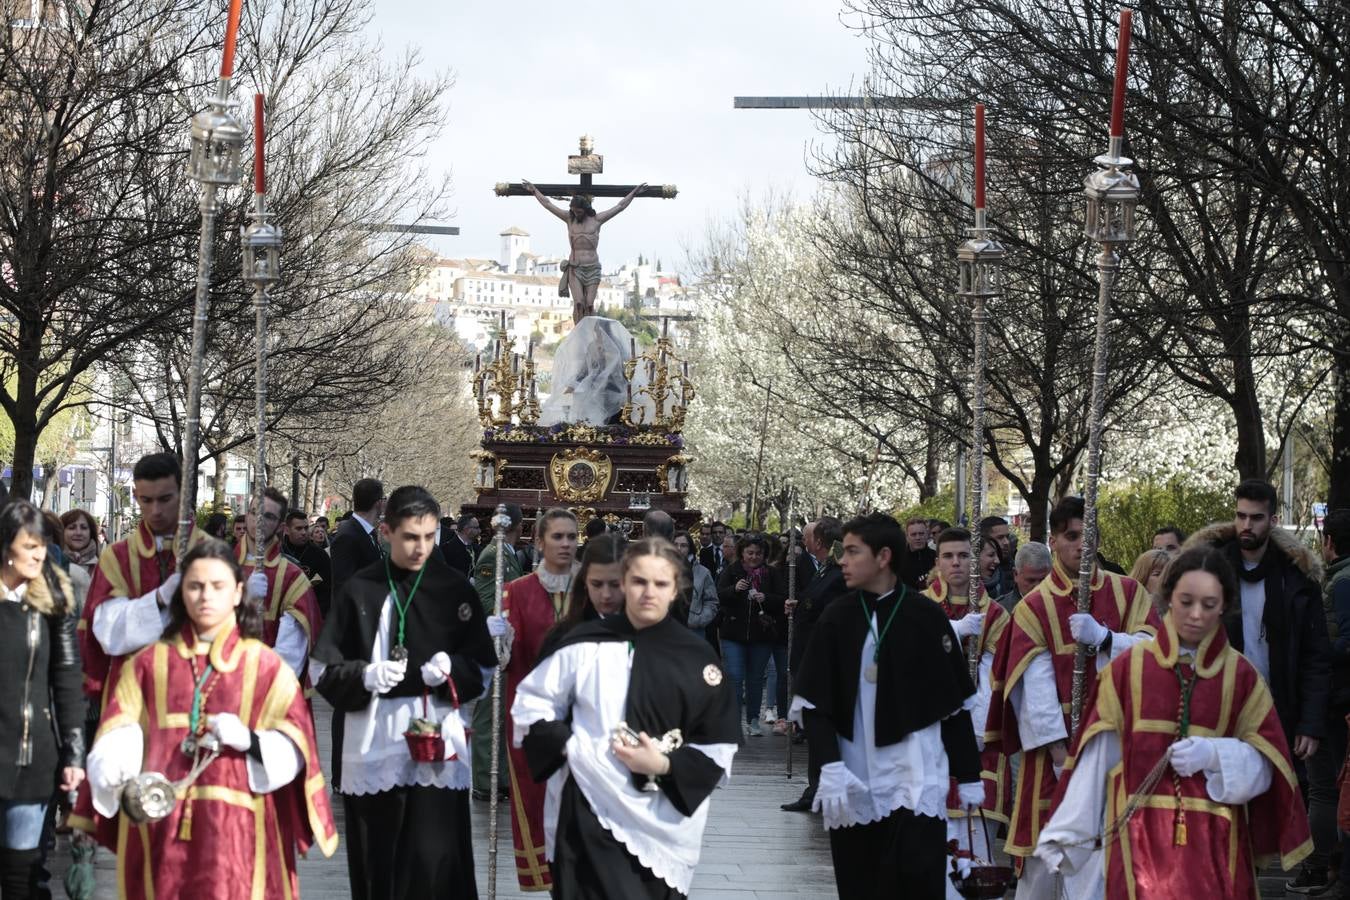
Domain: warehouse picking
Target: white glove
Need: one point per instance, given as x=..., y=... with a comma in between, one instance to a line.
x=231, y=731
x=1192, y=754
x=836, y=785
x=962, y=865
x=381, y=677
x=164, y=593
x=436, y=671
x=111, y=773
x=257, y=585
x=968, y=625
x=1087, y=630
x=972, y=795
x=499, y=627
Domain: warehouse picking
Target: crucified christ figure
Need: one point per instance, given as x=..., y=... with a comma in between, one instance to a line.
x=582, y=269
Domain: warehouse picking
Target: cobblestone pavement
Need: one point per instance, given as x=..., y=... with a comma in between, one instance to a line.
x=752, y=850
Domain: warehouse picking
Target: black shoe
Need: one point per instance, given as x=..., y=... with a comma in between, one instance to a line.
x=1311, y=881
x=503, y=793
x=802, y=803
x=481, y=796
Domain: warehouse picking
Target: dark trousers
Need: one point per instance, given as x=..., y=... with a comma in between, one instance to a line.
x=1323, y=794
x=902, y=857
x=589, y=863
x=410, y=843
x=482, y=743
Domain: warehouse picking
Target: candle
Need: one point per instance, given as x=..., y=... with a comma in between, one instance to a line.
x=1122, y=66
x=231, y=31
x=979, y=156
x=515, y=362
x=685, y=370
x=477, y=363
x=632, y=349
x=503, y=320
x=665, y=326
x=259, y=171
x=529, y=352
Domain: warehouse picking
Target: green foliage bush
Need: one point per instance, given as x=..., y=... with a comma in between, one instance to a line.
x=1129, y=512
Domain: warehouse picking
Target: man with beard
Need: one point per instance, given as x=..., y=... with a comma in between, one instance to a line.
x=825, y=585
x=1280, y=627
x=316, y=565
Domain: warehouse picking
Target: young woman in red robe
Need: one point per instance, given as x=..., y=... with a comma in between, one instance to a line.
x=234, y=832
x=531, y=607
x=1182, y=771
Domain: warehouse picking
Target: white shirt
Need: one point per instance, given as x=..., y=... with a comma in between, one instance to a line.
x=15, y=595
x=1254, y=644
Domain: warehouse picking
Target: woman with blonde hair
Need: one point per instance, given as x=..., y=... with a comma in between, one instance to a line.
x=1148, y=570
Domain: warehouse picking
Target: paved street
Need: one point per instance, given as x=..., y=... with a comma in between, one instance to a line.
x=751, y=851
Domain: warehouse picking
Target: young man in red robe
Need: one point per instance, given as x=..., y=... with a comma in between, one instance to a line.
x=291, y=617
x=531, y=606
x=949, y=590
x=1032, y=679
x=210, y=686
x=127, y=605
x=1180, y=784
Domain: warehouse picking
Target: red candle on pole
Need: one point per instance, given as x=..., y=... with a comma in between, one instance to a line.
x=979, y=156
x=1122, y=67
x=259, y=173
x=231, y=31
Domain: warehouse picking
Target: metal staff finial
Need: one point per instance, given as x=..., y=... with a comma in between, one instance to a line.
x=213, y=161
x=1112, y=193
x=261, y=246
x=501, y=522
x=978, y=260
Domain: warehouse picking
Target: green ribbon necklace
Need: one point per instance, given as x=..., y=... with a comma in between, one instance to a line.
x=400, y=651
x=870, y=672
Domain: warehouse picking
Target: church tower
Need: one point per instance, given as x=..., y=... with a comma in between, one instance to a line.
x=515, y=241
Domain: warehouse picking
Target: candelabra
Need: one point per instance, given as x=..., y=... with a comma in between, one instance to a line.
x=506, y=388
x=261, y=245
x=668, y=385
x=217, y=140
x=1112, y=194
x=978, y=260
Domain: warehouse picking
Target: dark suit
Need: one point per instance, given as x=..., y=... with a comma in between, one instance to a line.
x=458, y=556
x=351, y=550
x=318, y=568
x=710, y=558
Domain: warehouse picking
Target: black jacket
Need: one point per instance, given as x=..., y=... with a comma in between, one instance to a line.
x=707, y=557
x=740, y=619
x=824, y=585
x=457, y=556
x=351, y=550
x=1300, y=652
x=39, y=672
x=318, y=568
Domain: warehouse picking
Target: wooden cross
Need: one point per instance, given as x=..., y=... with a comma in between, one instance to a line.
x=586, y=165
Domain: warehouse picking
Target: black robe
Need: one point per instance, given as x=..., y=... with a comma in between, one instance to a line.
x=669, y=687
x=445, y=615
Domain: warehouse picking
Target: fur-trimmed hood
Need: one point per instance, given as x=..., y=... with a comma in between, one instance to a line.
x=1300, y=554
x=39, y=594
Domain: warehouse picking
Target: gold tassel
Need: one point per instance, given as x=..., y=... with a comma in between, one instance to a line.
x=1179, y=838
x=185, y=823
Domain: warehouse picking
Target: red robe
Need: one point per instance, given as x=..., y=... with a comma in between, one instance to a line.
x=1137, y=698
x=288, y=591
x=1040, y=624
x=532, y=611
x=129, y=568
x=994, y=768
x=233, y=844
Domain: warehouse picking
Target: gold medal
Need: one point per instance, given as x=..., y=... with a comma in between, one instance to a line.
x=870, y=673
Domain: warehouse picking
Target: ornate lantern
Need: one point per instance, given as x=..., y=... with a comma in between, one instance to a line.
x=1112, y=194
x=217, y=141
x=261, y=243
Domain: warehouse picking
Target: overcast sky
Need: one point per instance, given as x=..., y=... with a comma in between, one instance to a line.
x=652, y=82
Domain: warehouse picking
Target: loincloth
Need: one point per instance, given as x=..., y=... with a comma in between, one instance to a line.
x=588, y=275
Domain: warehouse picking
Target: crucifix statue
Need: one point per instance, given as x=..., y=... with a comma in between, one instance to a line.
x=581, y=272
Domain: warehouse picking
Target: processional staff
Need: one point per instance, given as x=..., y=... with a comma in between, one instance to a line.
x=791, y=617
x=217, y=140
x=501, y=521
x=978, y=260
x=261, y=243
x=1112, y=194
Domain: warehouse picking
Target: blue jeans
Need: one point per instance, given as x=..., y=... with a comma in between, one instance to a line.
x=23, y=824
x=745, y=663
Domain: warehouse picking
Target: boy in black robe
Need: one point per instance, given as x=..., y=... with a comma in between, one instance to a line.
x=884, y=692
x=407, y=639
